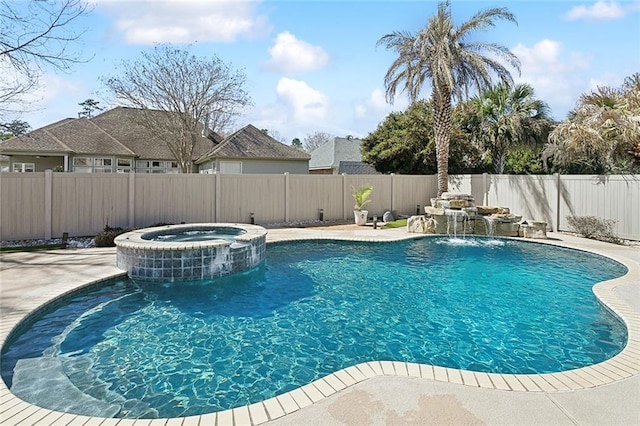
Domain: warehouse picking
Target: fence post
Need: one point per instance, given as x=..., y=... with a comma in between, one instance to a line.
x=485, y=191
x=286, y=197
x=393, y=192
x=132, y=199
x=556, y=227
x=344, y=197
x=48, y=198
x=218, y=196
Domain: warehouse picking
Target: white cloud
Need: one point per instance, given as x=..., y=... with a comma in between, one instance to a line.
x=40, y=92
x=291, y=55
x=556, y=76
x=56, y=98
x=374, y=104
x=375, y=108
x=601, y=10
x=188, y=21
x=304, y=104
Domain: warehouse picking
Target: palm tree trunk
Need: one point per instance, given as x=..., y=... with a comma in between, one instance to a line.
x=442, y=136
x=498, y=162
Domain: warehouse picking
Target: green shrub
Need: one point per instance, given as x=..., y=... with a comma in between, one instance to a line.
x=106, y=237
x=594, y=228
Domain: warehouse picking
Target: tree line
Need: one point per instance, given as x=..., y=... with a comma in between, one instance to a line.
x=507, y=130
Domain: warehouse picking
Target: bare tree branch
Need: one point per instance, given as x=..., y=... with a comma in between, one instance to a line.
x=35, y=34
x=315, y=140
x=197, y=95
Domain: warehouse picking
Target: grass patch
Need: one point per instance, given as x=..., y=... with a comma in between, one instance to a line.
x=32, y=248
x=400, y=223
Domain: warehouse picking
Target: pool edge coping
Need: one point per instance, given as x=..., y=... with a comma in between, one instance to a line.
x=620, y=367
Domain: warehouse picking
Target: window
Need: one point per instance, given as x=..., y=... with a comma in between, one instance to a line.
x=92, y=165
x=123, y=165
x=206, y=168
x=24, y=167
x=102, y=165
x=81, y=161
x=157, y=166
x=231, y=167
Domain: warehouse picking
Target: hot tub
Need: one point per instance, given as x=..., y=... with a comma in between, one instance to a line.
x=190, y=252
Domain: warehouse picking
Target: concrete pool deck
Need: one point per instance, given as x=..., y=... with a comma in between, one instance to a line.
x=394, y=393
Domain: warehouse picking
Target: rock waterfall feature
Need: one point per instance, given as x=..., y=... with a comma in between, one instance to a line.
x=456, y=214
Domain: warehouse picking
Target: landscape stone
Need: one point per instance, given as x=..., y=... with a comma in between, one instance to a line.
x=421, y=225
x=535, y=230
x=433, y=211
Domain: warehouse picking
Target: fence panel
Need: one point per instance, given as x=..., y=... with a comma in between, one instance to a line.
x=310, y=193
x=380, y=197
x=606, y=197
x=44, y=205
x=411, y=191
x=83, y=204
x=22, y=206
x=262, y=195
x=174, y=198
x=531, y=196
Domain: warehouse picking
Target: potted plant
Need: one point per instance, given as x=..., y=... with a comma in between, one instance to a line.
x=361, y=197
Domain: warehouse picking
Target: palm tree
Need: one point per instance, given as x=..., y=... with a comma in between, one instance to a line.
x=602, y=135
x=441, y=54
x=509, y=117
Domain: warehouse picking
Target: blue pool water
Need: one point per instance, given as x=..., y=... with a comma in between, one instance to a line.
x=180, y=349
x=193, y=235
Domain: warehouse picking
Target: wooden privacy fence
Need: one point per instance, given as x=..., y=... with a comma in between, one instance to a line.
x=45, y=205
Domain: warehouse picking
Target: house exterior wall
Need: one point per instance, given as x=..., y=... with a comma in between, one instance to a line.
x=259, y=166
x=275, y=167
x=41, y=164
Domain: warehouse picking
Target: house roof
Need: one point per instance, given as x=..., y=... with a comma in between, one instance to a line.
x=356, y=168
x=251, y=142
x=330, y=154
x=117, y=132
x=125, y=125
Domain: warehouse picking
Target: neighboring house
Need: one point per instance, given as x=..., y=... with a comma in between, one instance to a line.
x=250, y=150
x=116, y=142
x=341, y=155
x=112, y=142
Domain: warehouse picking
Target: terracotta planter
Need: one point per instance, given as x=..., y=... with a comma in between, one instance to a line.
x=360, y=217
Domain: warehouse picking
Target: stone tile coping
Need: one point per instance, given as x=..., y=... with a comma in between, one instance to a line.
x=135, y=239
x=14, y=411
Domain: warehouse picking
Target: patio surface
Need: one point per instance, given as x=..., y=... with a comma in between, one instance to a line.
x=374, y=393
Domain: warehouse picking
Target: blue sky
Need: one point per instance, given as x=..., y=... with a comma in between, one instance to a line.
x=314, y=65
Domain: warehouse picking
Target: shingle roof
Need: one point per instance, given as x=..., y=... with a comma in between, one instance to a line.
x=124, y=124
x=356, y=168
x=39, y=140
x=114, y=132
x=82, y=136
x=330, y=154
x=251, y=142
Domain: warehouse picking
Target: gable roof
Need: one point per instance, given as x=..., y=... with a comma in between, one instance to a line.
x=251, y=142
x=117, y=132
x=68, y=136
x=330, y=154
x=125, y=125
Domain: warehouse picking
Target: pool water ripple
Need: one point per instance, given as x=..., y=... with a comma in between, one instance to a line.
x=182, y=349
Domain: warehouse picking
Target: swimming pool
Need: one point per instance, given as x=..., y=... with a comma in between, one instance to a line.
x=316, y=307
